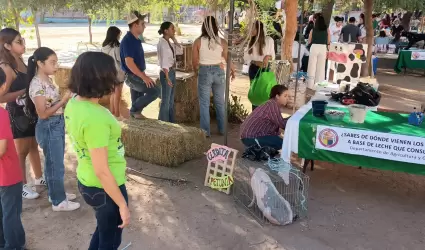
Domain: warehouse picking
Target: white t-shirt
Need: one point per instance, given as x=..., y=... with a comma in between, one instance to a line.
x=335, y=32
x=268, y=50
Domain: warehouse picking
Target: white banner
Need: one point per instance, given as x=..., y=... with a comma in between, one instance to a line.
x=387, y=146
x=418, y=56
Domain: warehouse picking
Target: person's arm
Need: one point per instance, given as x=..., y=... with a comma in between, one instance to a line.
x=329, y=39
x=224, y=55
x=195, y=55
x=178, y=48
x=5, y=132
x=161, y=56
x=276, y=116
x=9, y=77
x=129, y=55
x=96, y=137
x=39, y=99
x=310, y=37
x=270, y=53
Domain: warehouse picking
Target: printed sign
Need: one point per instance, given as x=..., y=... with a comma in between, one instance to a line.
x=221, y=182
x=418, y=56
x=402, y=148
x=218, y=153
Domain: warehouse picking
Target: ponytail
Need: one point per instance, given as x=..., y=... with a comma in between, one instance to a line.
x=31, y=71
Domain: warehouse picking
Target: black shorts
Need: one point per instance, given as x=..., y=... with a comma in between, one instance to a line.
x=22, y=126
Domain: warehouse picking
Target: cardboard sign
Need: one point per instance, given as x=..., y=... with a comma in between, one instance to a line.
x=221, y=182
x=218, y=153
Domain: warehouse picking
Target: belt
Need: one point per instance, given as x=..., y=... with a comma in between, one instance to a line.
x=258, y=64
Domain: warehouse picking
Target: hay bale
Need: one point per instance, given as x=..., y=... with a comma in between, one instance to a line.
x=186, y=87
x=187, y=112
x=162, y=143
x=62, y=77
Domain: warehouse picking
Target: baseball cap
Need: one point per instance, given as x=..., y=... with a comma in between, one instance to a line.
x=134, y=16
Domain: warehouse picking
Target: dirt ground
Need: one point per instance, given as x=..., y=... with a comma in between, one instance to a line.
x=349, y=208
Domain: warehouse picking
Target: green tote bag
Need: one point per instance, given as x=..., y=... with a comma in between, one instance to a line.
x=259, y=91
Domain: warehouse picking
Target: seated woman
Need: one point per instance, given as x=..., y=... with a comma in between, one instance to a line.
x=265, y=122
x=382, y=38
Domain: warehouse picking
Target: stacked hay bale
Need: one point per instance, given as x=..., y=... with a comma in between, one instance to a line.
x=162, y=143
x=186, y=102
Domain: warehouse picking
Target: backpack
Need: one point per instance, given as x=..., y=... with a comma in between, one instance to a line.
x=365, y=94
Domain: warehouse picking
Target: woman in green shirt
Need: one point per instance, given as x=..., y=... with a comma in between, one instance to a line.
x=96, y=138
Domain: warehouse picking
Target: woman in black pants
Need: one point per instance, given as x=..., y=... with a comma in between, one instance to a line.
x=260, y=51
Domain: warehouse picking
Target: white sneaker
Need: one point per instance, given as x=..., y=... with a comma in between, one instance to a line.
x=66, y=206
x=40, y=182
x=29, y=193
x=69, y=197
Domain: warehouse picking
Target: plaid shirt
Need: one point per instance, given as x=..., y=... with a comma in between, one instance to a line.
x=265, y=120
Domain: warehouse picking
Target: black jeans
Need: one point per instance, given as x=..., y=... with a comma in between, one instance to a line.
x=107, y=235
x=12, y=234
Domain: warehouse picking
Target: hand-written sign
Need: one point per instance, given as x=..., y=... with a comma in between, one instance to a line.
x=221, y=182
x=387, y=146
x=218, y=153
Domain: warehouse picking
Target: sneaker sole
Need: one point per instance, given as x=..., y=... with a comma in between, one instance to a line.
x=63, y=210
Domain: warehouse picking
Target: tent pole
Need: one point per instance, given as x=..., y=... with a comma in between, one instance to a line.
x=228, y=69
x=300, y=33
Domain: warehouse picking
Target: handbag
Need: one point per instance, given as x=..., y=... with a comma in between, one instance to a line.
x=261, y=85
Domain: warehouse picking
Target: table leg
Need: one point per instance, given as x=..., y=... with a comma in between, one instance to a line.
x=305, y=165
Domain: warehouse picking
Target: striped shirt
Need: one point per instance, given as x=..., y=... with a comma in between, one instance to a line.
x=265, y=120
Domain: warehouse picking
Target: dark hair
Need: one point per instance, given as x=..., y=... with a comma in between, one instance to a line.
x=112, y=37
x=209, y=20
x=277, y=90
x=352, y=20
x=382, y=34
x=93, y=75
x=41, y=54
x=164, y=26
x=261, y=41
x=139, y=18
x=320, y=23
x=7, y=36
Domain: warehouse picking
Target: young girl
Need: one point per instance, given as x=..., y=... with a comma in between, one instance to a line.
x=111, y=46
x=96, y=137
x=43, y=100
x=260, y=52
x=12, y=234
x=12, y=47
x=208, y=53
x=167, y=61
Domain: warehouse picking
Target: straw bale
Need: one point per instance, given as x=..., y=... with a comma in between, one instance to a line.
x=186, y=89
x=162, y=143
x=62, y=77
x=187, y=112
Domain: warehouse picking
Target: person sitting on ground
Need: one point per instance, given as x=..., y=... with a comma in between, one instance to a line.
x=265, y=122
x=350, y=32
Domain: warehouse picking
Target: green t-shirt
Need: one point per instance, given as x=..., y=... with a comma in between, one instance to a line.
x=91, y=126
x=375, y=24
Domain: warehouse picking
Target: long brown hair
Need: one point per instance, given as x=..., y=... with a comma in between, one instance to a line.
x=7, y=36
x=261, y=41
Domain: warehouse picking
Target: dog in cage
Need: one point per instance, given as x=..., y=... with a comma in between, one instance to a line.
x=273, y=206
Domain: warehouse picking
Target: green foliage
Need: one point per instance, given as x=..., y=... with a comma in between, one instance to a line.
x=410, y=5
x=236, y=110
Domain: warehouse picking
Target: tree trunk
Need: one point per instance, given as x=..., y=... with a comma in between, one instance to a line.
x=15, y=13
x=368, y=6
x=405, y=21
x=37, y=31
x=327, y=10
x=291, y=7
x=90, y=32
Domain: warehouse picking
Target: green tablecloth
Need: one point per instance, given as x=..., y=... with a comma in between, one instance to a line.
x=404, y=61
x=375, y=121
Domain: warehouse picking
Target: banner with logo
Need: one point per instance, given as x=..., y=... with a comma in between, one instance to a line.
x=387, y=146
x=418, y=56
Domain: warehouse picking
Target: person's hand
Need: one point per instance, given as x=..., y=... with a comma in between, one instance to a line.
x=222, y=66
x=148, y=81
x=170, y=83
x=125, y=216
x=66, y=96
x=232, y=75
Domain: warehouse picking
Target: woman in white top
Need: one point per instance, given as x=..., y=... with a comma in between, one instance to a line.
x=362, y=27
x=111, y=46
x=167, y=52
x=209, y=50
x=260, y=51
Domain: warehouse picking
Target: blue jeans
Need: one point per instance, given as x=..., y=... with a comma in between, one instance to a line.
x=141, y=95
x=12, y=234
x=272, y=141
x=50, y=136
x=166, y=111
x=107, y=235
x=211, y=77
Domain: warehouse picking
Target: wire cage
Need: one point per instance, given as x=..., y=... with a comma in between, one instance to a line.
x=295, y=193
x=282, y=71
